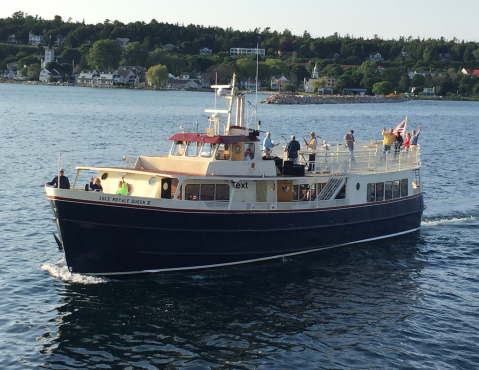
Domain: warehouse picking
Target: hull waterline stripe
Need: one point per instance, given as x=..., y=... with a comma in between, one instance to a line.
x=247, y=261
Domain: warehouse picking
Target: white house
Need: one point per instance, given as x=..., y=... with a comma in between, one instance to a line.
x=6, y=74
x=88, y=76
x=248, y=84
x=247, y=51
x=205, y=51
x=128, y=77
x=35, y=40
x=59, y=41
x=376, y=56
x=107, y=78
x=429, y=91
x=277, y=81
x=48, y=75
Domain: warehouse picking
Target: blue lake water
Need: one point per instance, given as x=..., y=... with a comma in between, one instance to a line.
x=408, y=302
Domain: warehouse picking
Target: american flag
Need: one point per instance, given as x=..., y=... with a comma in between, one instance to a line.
x=401, y=128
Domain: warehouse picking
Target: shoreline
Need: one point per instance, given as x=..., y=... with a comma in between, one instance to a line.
x=274, y=96
x=331, y=99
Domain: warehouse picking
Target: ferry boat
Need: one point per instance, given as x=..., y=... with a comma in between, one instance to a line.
x=207, y=205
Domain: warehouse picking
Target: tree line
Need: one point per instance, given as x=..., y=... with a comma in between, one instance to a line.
x=94, y=46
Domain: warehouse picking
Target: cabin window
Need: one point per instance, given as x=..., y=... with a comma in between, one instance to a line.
x=371, y=192
x=404, y=188
x=396, y=189
x=192, y=192
x=388, y=190
x=192, y=149
x=248, y=151
x=304, y=192
x=222, y=192
x=207, y=150
x=207, y=192
x=313, y=192
x=295, y=193
x=223, y=152
x=178, y=148
x=379, y=191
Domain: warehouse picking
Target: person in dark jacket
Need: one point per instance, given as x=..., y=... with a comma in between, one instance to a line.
x=293, y=148
x=96, y=185
x=64, y=182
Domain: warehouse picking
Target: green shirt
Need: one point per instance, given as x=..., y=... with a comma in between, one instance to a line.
x=123, y=190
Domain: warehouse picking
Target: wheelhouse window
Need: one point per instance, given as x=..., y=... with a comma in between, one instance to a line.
x=207, y=192
x=248, y=151
x=192, y=149
x=388, y=190
x=207, y=150
x=223, y=152
x=178, y=148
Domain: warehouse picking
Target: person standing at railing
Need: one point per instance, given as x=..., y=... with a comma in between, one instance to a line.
x=414, y=138
x=389, y=138
x=311, y=145
x=349, y=139
x=397, y=144
x=407, y=141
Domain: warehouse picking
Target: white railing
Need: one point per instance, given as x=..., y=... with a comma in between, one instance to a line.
x=367, y=158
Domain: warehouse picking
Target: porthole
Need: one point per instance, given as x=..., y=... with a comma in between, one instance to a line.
x=272, y=187
x=104, y=176
x=152, y=181
x=358, y=186
x=165, y=186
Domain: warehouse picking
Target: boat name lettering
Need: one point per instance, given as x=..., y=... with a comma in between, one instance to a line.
x=125, y=200
x=242, y=185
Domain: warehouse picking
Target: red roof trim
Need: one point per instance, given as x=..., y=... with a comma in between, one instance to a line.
x=212, y=139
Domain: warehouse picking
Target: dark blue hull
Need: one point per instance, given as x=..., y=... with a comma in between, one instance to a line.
x=110, y=240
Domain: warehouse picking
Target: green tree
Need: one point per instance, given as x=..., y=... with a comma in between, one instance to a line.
x=382, y=88
x=104, y=54
x=33, y=71
x=475, y=90
x=318, y=83
x=157, y=75
x=223, y=71
x=404, y=83
x=72, y=55
x=135, y=54
x=27, y=61
x=289, y=87
x=418, y=80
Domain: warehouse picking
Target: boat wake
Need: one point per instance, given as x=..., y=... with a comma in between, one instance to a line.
x=444, y=220
x=60, y=270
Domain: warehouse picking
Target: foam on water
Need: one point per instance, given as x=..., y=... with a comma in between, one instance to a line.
x=435, y=221
x=60, y=270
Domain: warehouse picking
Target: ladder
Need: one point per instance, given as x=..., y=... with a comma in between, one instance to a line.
x=332, y=188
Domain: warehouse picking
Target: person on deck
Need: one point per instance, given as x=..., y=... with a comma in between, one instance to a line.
x=247, y=155
x=122, y=187
x=293, y=148
x=389, y=138
x=96, y=185
x=407, y=141
x=268, y=145
x=64, y=182
x=398, y=142
x=311, y=145
x=349, y=139
x=414, y=138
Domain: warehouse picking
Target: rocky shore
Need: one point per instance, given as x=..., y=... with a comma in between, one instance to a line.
x=330, y=99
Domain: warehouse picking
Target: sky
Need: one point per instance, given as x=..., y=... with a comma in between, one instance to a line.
x=321, y=18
